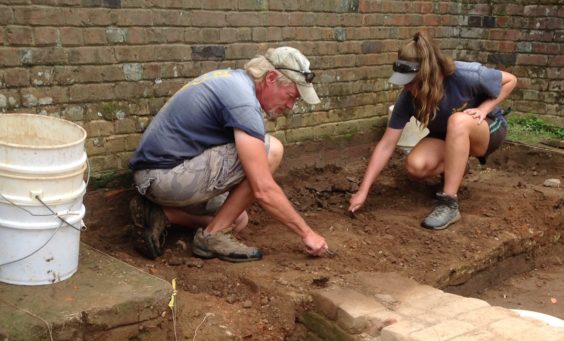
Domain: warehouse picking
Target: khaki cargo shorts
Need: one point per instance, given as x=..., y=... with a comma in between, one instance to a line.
x=199, y=185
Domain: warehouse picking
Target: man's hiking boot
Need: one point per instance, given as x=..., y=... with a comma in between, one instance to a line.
x=444, y=214
x=223, y=246
x=150, y=225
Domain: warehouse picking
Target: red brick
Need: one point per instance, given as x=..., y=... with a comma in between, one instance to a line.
x=46, y=16
x=227, y=35
x=243, y=19
x=132, y=17
x=94, y=36
x=91, y=55
x=71, y=36
x=507, y=46
x=91, y=92
x=16, y=77
x=208, y=19
x=49, y=55
x=276, y=18
x=96, y=16
x=46, y=36
x=19, y=36
x=6, y=15
x=546, y=48
x=171, y=18
x=100, y=74
x=45, y=95
x=531, y=59
x=557, y=61
x=431, y=20
x=135, y=54
x=539, y=11
x=129, y=90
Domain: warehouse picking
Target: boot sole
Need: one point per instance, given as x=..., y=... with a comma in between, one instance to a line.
x=209, y=255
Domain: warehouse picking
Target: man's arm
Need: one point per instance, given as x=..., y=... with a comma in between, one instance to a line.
x=268, y=193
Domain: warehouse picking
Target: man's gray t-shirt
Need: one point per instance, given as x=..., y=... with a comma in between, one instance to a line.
x=469, y=86
x=199, y=116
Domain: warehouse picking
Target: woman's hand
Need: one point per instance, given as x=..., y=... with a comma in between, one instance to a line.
x=477, y=114
x=357, y=200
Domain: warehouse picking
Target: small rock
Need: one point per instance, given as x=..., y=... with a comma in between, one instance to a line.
x=264, y=301
x=555, y=183
x=231, y=299
x=196, y=263
x=175, y=261
x=182, y=245
x=141, y=327
x=247, y=304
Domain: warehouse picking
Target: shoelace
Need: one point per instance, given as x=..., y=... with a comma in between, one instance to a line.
x=235, y=241
x=441, y=210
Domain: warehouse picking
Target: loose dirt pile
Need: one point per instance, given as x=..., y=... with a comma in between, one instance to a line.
x=505, y=209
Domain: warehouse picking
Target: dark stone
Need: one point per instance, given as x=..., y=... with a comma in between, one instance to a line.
x=372, y=46
x=102, y=3
x=506, y=59
x=350, y=6
x=488, y=21
x=475, y=21
x=213, y=52
x=340, y=34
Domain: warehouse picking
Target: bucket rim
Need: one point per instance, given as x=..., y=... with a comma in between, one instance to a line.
x=63, y=121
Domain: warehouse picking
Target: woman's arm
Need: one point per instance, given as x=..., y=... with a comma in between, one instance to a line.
x=508, y=83
x=380, y=156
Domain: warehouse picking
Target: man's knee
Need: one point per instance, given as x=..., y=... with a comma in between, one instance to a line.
x=275, y=153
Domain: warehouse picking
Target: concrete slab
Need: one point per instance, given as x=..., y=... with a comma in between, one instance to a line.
x=104, y=293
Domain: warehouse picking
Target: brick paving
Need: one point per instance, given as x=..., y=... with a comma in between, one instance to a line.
x=389, y=307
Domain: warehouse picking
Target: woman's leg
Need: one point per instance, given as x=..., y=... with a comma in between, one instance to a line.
x=426, y=158
x=464, y=138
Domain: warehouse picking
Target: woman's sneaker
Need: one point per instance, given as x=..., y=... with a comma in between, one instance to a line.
x=444, y=214
x=223, y=246
x=150, y=224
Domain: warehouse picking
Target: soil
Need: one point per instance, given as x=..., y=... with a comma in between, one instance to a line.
x=508, y=218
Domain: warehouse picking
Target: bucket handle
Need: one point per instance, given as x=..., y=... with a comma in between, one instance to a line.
x=57, y=214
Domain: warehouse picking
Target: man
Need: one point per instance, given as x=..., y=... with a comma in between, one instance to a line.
x=209, y=140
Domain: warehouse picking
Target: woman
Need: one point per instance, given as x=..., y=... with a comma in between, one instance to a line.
x=458, y=103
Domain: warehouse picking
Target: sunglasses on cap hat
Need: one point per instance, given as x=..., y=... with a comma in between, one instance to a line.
x=309, y=76
x=405, y=68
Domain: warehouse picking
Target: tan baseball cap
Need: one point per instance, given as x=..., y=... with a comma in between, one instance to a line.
x=294, y=65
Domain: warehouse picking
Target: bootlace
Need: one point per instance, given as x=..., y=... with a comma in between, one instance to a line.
x=441, y=210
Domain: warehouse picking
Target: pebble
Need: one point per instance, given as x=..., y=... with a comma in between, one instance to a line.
x=175, y=261
x=231, y=299
x=182, y=245
x=555, y=183
x=247, y=304
x=196, y=263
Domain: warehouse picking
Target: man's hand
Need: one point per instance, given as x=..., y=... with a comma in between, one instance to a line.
x=315, y=244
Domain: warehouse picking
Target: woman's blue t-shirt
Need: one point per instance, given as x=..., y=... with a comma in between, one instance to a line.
x=469, y=86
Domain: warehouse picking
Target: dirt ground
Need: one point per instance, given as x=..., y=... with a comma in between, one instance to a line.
x=508, y=218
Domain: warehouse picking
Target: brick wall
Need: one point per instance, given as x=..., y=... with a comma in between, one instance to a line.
x=109, y=65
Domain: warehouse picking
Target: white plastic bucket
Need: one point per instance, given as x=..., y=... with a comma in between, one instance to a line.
x=42, y=165
x=412, y=132
x=40, y=253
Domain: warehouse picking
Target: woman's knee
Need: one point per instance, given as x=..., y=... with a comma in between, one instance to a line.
x=275, y=153
x=416, y=166
x=459, y=122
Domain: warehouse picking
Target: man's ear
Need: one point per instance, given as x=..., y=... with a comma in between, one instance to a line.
x=271, y=76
